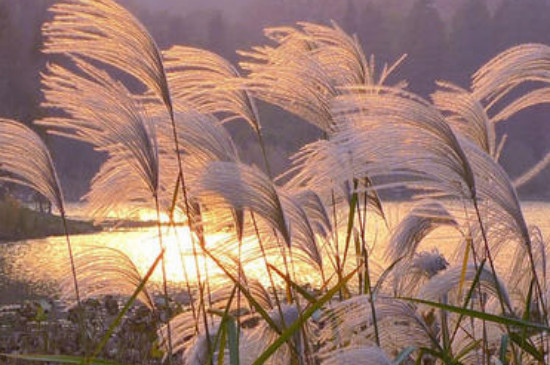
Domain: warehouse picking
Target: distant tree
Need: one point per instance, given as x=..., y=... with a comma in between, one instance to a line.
x=516, y=22
x=470, y=40
x=424, y=40
x=521, y=21
x=349, y=22
x=375, y=32
x=216, y=33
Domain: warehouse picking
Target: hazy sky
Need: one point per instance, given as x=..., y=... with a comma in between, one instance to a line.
x=233, y=8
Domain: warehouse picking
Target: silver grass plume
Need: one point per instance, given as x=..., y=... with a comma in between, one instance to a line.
x=105, y=31
x=194, y=347
x=400, y=135
x=423, y=145
x=448, y=281
x=509, y=69
x=411, y=274
x=257, y=339
x=306, y=69
x=357, y=356
x=395, y=133
x=204, y=140
x=350, y=322
x=520, y=277
x=105, y=270
x=315, y=210
x=313, y=168
x=425, y=217
x=467, y=115
x=289, y=78
x=470, y=332
x=26, y=160
x=243, y=187
x=102, y=112
x=521, y=64
x=532, y=98
x=208, y=83
x=223, y=287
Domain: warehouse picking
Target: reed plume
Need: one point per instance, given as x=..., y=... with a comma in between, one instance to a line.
x=26, y=160
x=104, y=113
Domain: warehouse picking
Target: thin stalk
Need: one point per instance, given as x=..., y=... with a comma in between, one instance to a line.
x=81, y=309
x=207, y=283
x=187, y=285
x=71, y=257
x=201, y=292
x=240, y=268
x=481, y=302
x=164, y=281
x=491, y=263
x=305, y=347
x=269, y=273
x=337, y=249
x=264, y=152
x=489, y=256
x=362, y=227
x=170, y=108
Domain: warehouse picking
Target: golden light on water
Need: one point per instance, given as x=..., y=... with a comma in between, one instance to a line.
x=45, y=260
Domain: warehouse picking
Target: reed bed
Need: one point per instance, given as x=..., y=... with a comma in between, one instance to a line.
x=168, y=150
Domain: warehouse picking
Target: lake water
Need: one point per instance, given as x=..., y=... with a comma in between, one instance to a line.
x=35, y=267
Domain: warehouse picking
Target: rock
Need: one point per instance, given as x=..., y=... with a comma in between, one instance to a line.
x=111, y=305
x=183, y=298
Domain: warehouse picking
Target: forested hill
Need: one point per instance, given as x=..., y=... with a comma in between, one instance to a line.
x=444, y=39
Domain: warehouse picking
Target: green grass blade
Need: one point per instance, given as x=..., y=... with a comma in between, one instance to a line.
x=233, y=340
x=504, y=340
x=228, y=328
x=506, y=321
x=61, y=359
x=221, y=330
x=404, y=355
x=471, y=346
x=223, y=338
x=175, y=199
x=464, y=267
x=296, y=325
x=527, y=347
x=253, y=302
x=310, y=298
x=468, y=297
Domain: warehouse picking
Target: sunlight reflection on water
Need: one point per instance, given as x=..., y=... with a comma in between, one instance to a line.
x=43, y=262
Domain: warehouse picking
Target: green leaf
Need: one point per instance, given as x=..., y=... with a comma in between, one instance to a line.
x=261, y=311
x=404, y=355
x=468, y=297
x=296, y=325
x=471, y=346
x=524, y=344
x=506, y=321
x=228, y=326
x=310, y=298
x=62, y=359
x=233, y=339
x=175, y=199
x=222, y=328
x=223, y=338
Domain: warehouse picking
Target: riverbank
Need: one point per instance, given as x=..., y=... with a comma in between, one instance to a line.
x=18, y=222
